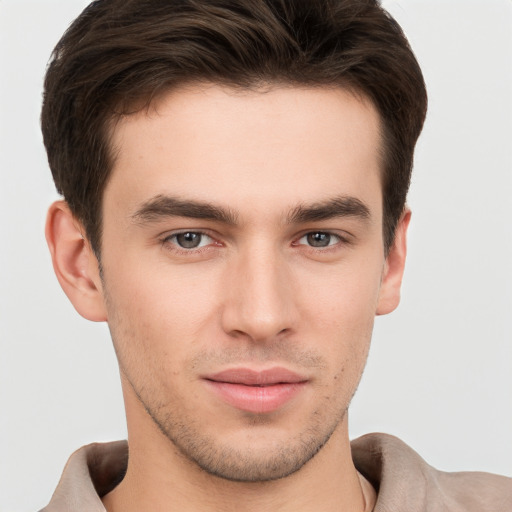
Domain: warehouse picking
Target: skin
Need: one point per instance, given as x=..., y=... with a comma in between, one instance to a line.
x=257, y=292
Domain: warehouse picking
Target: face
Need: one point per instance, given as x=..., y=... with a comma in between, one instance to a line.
x=243, y=265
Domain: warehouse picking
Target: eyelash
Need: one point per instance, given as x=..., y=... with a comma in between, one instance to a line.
x=170, y=242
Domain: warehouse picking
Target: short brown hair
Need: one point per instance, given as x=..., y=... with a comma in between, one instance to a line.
x=120, y=54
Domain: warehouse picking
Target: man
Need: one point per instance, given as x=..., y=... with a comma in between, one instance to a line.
x=234, y=178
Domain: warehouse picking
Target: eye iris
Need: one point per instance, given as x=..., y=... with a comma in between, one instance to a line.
x=188, y=240
x=319, y=239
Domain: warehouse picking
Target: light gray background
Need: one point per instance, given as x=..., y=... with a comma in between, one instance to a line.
x=439, y=373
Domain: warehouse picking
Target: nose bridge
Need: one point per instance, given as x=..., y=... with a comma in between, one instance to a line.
x=260, y=300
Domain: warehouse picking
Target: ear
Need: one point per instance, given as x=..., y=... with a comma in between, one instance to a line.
x=389, y=295
x=74, y=262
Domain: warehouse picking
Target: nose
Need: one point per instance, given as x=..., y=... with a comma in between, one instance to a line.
x=260, y=300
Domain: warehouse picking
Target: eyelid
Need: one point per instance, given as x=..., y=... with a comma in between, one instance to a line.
x=174, y=232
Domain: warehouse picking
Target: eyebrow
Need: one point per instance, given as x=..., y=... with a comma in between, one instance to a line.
x=162, y=206
x=342, y=206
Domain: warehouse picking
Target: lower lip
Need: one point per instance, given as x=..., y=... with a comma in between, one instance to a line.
x=256, y=399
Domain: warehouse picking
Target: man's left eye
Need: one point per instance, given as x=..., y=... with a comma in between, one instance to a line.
x=190, y=240
x=319, y=239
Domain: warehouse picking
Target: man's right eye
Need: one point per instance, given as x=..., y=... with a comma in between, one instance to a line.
x=189, y=240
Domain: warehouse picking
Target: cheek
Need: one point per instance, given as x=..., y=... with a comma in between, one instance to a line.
x=159, y=310
x=343, y=312
x=346, y=298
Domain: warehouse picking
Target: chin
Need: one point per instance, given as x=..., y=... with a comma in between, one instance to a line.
x=257, y=453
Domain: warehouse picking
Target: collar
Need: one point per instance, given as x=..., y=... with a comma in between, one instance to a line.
x=404, y=482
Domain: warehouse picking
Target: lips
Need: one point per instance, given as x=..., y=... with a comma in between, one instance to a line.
x=256, y=391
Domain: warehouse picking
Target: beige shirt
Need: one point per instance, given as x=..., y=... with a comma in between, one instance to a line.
x=404, y=482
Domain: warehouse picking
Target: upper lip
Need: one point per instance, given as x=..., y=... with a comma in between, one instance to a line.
x=249, y=377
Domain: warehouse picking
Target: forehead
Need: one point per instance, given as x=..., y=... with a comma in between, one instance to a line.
x=277, y=146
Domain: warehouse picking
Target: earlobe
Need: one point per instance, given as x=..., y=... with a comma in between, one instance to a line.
x=74, y=262
x=389, y=295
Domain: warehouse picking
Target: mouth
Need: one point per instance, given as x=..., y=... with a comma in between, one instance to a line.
x=257, y=392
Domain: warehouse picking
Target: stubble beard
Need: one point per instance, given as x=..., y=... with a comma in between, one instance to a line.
x=215, y=455
x=219, y=459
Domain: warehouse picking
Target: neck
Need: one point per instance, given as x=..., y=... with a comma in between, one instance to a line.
x=160, y=478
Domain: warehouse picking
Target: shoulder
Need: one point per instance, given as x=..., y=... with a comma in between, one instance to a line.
x=405, y=482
